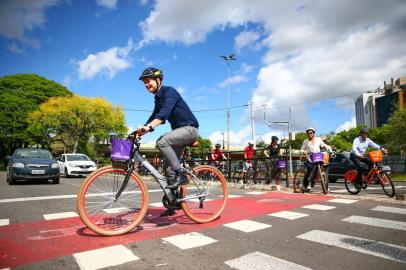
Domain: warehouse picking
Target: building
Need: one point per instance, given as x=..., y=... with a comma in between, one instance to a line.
x=394, y=97
x=374, y=109
x=365, y=113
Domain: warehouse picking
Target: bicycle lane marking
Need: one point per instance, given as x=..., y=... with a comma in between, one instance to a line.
x=25, y=243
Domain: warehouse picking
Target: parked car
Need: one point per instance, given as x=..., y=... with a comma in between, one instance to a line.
x=32, y=164
x=341, y=163
x=75, y=165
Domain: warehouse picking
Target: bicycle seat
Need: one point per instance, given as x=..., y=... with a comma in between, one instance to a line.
x=194, y=144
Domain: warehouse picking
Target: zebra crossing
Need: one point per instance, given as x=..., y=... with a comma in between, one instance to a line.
x=126, y=257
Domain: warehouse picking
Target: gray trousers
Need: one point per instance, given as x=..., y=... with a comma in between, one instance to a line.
x=172, y=144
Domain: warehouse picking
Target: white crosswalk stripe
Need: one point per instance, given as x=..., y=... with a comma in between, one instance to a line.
x=60, y=215
x=247, y=226
x=377, y=222
x=4, y=222
x=104, y=257
x=288, y=215
x=394, y=210
x=366, y=246
x=260, y=261
x=189, y=240
x=319, y=207
x=344, y=201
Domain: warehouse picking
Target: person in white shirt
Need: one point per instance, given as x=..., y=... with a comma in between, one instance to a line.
x=359, y=147
x=312, y=144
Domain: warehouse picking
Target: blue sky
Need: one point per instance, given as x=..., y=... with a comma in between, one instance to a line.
x=314, y=56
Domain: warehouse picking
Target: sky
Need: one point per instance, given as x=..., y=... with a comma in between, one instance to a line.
x=298, y=61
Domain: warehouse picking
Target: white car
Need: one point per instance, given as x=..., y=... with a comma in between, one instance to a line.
x=75, y=165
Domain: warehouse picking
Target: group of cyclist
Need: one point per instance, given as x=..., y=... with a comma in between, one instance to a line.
x=170, y=106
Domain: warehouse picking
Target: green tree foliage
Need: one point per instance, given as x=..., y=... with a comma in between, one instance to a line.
x=77, y=122
x=299, y=138
x=21, y=94
x=395, y=131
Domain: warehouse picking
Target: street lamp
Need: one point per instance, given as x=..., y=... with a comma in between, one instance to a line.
x=228, y=59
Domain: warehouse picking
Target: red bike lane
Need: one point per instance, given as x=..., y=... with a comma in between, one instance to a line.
x=26, y=243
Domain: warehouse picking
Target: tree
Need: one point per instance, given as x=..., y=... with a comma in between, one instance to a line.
x=395, y=131
x=76, y=122
x=21, y=94
x=299, y=138
x=203, y=148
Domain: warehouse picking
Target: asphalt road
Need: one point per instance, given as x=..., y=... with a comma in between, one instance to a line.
x=318, y=232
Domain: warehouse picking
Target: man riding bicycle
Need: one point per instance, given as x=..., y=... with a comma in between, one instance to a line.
x=169, y=106
x=312, y=144
x=216, y=156
x=359, y=147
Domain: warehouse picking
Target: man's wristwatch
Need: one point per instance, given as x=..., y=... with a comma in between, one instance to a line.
x=151, y=128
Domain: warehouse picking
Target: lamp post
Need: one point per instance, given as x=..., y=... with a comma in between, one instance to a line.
x=228, y=59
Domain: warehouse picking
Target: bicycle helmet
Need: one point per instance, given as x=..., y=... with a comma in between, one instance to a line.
x=274, y=138
x=364, y=130
x=310, y=129
x=151, y=73
x=251, y=142
x=218, y=145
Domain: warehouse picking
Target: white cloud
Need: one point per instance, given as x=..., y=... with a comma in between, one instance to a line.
x=310, y=54
x=347, y=125
x=181, y=90
x=13, y=47
x=233, y=80
x=238, y=138
x=109, y=4
x=18, y=18
x=108, y=62
x=246, y=39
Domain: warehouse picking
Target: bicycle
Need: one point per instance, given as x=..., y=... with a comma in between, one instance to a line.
x=383, y=178
x=318, y=173
x=277, y=169
x=113, y=200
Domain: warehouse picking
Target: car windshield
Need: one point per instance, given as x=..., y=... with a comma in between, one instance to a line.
x=33, y=153
x=77, y=158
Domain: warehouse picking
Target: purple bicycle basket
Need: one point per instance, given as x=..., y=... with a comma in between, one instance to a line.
x=121, y=149
x=316, y=157
x=281, y=164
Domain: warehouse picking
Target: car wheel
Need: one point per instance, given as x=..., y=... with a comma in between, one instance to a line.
x=11, y=180
x=55, y=180
x=66, y=173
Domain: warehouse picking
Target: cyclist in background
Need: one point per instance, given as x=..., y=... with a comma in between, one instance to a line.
x=216, y=156
x=272, y=153
x=312, y=144
x=248, y=155
x=359, y=147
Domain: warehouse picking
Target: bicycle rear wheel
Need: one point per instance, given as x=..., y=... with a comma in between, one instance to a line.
x=280, y=177
x=298, y=180
x=387, y=184
x=204, y=198
x=98, y=208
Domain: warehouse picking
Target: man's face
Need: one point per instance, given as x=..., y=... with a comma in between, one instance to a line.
x=310, y=134
x=364, y=136
x=151, y=85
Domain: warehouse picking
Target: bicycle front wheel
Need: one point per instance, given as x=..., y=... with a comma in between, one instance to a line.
x=204, y=198
x=298, y=180
x=387, y=184
x=99, y=209
x=280, y=178
x=323, y=179
x=349, y=182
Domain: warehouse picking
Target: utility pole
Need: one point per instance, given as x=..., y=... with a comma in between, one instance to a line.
x=264, y=105
x=252, y=116
x=228, y=59
x=290, y=141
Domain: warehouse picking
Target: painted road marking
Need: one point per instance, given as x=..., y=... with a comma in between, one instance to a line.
x=118, y=210
x=104, y=257
x=394, y=210
x=270, y=200
x=377, y=222
x=58, y=197
x=318, y=207
x=259, y=261
x=189, y=240
x=345, y=201
x=158, y=204
x=4, y=222
x=255, y=192
x=234, y=196
x=247, y=226
x=366, y=246
x=288, y=215
x=60, y=215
